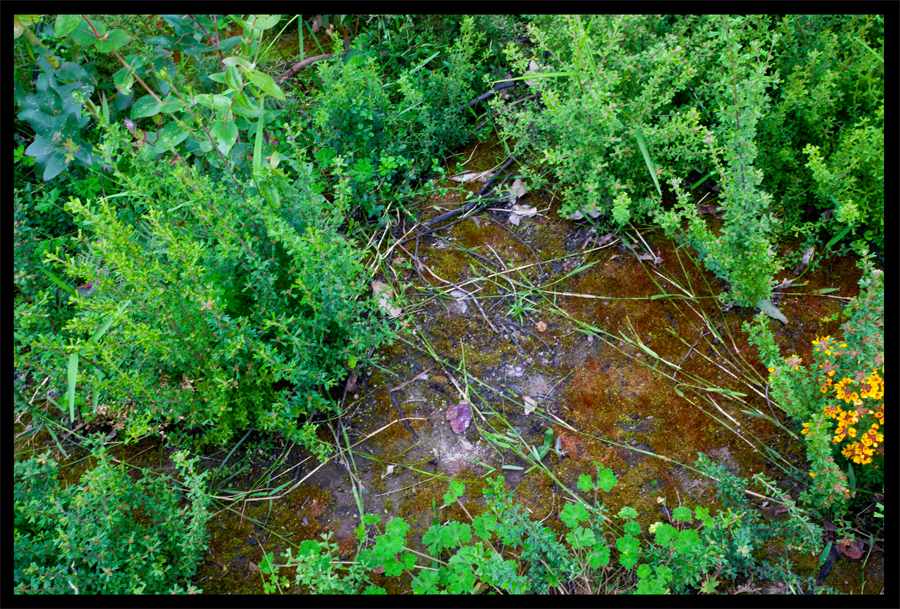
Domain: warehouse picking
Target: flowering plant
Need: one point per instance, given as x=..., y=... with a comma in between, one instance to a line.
x=840, y=397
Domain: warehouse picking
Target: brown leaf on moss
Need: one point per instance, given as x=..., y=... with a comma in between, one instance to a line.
x=852, y=549
x=385, y=299
x=459, y=415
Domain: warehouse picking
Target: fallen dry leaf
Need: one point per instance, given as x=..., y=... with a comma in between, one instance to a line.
x=807, y=256
x=398, y=260
x=604, y=239
x=852, y=549
x=459, y=415
x=351, y=382
x=521, y=211
x=530, y=404
x=541, y=326
x=385, y=296
x=579, y=215
x=471, y=176
x=517, y=191
x=651, y=257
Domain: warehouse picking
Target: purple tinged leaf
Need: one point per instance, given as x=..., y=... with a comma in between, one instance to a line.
x=86, y=289
x=459, y=415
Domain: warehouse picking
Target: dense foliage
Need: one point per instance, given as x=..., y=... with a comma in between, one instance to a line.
x=190, y=217
x=109, y=534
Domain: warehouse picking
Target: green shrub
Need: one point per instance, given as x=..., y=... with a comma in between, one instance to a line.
x=108, y=534
x=838, y=397
x=389, y=125
x=233, y=317
x=821, y=146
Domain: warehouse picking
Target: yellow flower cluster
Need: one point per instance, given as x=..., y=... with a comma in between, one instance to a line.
x=852, y=391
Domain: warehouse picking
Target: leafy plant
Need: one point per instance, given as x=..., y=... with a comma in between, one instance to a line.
x=317, y=571
x=820, y=148
x=389, y=124
x=237, y=318
x=838, y=396
x=109, y=534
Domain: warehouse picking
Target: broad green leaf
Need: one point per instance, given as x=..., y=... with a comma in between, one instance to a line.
x=225, y=133
x=573, y=513
x=72, y=380
x=606, y=480
x=271, y=193
x=585, y=483
x=65, y=24
x=171, y=105
x=113, y=40
x=238, y=61
x=55, y=279
x=233, y=78
x=264, y=22
x=265, y=82
x=825, y=552
x=144, y=107
x=41, y=122
x=840, y=235
x=56, y=164
x=682, y=513
x=771, y=310
x=218, y=77
x=600, y=556
x=23, y=21
x=83, y=35
x=242, y=106
x=104, y=108
x=257, y=148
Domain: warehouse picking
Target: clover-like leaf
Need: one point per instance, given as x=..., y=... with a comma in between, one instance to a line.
x=585, y=483
x=456, y=491
x=573, y=513
x=606, y=480
x=599, y=557
x=627, y=512
x=681, y=513
x=483, y=524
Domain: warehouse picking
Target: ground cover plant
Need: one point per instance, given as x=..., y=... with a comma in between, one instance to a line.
x=360, y=304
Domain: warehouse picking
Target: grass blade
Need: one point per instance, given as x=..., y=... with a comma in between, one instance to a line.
x=55, y=278
x=102, y=329
x=650, y=166
x=72, y=378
